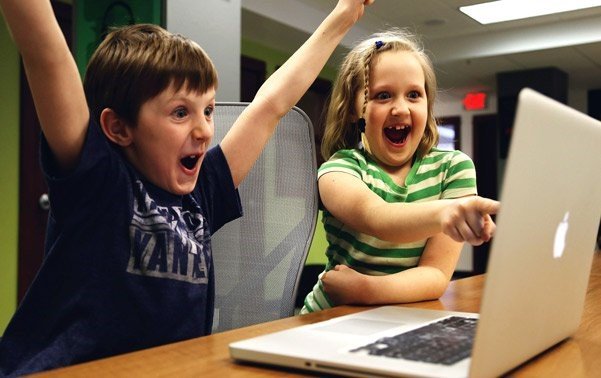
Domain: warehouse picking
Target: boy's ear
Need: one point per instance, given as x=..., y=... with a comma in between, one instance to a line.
x=115, y=128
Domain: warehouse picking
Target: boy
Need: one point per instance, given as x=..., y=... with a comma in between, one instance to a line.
x=135, y=192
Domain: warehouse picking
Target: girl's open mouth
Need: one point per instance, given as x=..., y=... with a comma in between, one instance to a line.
x=397, y=134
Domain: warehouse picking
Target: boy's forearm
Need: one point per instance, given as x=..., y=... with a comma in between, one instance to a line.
x=285, y=87
x=32, y=26
x=52, y=76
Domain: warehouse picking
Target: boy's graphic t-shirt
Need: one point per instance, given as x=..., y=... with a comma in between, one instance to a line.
x=168, y=241
x=127, y=265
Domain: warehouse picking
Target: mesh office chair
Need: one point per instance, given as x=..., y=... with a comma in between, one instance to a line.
x=259, y=257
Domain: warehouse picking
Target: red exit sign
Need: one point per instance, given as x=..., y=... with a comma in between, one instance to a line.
x=475, y=101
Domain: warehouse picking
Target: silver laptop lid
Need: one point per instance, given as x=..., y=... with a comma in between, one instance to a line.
x=542, y=252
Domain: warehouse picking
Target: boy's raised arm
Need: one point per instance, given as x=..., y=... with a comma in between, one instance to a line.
x=52, y=75
x=245, y=141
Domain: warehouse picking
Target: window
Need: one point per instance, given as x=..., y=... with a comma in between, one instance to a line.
x=449, y=130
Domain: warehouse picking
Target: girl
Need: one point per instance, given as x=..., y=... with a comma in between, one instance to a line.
x=397, y=209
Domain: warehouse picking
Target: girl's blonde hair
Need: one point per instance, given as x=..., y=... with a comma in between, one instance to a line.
x=340, y=132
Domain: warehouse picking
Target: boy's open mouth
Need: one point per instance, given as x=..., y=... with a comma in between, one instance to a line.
x=189, y=161
x=397, y=134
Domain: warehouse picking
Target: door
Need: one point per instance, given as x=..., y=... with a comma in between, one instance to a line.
x=33, y=204
x=486, y=159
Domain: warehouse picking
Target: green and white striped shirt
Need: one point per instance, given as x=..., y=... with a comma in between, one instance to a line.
x=438, y=175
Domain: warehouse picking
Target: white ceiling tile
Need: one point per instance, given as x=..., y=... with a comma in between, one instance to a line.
x=469, y=69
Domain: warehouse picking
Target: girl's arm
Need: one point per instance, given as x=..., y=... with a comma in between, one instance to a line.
x=353, y=203
x=251, y=131
x=427, y=281
x=52, y=75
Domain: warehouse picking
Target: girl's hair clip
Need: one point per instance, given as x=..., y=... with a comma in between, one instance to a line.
x=379, y=44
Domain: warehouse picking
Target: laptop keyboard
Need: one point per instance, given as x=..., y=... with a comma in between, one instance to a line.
x=445, y=342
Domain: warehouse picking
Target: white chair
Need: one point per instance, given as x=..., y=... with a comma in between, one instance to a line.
x=258, y=258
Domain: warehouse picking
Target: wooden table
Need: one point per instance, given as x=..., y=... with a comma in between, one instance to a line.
x=579, y=356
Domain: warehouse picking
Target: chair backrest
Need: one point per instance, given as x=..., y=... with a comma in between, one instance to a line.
x=258, y=258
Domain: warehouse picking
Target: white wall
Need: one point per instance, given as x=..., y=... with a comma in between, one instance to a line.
x=215, y=26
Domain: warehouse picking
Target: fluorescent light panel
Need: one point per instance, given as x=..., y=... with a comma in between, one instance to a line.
x=507, y=10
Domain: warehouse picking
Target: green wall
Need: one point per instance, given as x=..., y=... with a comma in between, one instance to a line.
x=9, y=174
x=318, y=246
x=92, y=15
x=274, y=58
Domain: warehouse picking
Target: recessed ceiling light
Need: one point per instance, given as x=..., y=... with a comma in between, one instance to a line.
x=507, y=10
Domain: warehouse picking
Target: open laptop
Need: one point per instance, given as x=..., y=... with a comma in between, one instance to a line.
x=536, y=278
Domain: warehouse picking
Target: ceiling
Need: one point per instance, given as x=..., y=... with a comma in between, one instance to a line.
x=466, y=54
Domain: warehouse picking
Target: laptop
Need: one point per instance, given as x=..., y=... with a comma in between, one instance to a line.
x=536, y=279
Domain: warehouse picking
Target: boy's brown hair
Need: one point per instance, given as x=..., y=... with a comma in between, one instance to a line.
x=135, y=63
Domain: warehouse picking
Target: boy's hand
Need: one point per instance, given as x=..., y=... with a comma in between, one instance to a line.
x=356, y=7
x=284, y=88
x=468, y=219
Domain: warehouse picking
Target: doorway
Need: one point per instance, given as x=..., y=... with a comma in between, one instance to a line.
x=33, y=202
x=485, y=150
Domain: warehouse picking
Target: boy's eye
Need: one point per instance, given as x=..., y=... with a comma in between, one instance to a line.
x=180, y=112
x=208, y=111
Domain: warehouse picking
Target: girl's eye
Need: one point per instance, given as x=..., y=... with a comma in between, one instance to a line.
x=383, y=96
x=180, y=113
x=414, y=95
x=209, y=111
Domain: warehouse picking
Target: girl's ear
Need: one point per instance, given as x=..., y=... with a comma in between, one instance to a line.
x=115, y=128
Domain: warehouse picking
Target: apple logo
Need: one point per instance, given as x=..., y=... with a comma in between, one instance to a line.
x=560, y=236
